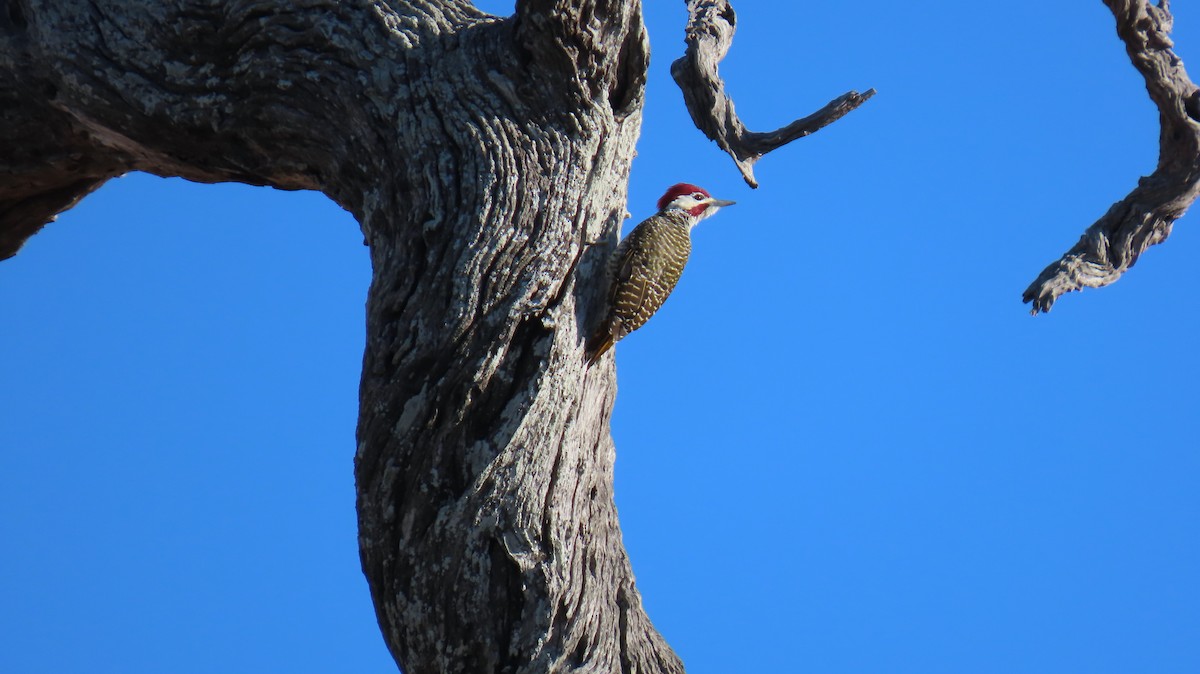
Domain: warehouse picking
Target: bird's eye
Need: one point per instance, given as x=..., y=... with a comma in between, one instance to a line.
x=698, y=196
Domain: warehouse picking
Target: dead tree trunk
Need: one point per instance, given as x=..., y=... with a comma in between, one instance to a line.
x=483, y=158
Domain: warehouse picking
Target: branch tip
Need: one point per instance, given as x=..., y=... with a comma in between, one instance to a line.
x=709, y=35
x=1143, y=218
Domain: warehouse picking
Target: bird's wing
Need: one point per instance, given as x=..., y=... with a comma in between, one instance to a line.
x=647, y=270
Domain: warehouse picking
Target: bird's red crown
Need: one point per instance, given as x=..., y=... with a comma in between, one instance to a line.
x=679, y=190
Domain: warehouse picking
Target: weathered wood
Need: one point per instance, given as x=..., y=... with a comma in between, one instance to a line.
x=710, y=29
x=482, y=157
x=1114, y=242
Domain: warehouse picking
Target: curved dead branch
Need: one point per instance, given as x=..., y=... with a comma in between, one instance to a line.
x=1112, y=245
x=710, y=29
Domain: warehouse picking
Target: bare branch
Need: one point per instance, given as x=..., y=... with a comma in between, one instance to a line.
x=46, y=164
x=1113, y=244
x=710, y=29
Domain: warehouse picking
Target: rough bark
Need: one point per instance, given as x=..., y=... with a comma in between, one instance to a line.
x=482, y=158
x=710, y=29
x=1113, y=244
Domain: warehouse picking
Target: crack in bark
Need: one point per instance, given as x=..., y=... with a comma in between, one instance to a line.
x=1113, y=244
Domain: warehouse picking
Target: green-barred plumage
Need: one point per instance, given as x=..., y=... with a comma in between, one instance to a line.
x=648, y=263
x=647, y=266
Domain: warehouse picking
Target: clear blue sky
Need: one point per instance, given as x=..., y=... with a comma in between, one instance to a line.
x=842, y=446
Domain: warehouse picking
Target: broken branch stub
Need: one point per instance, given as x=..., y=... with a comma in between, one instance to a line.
x=711, y=24
x=1114, y=242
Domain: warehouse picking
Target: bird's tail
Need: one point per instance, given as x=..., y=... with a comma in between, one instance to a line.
x=598, y=345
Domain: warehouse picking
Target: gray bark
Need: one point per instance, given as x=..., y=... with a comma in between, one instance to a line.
x=1113, y=244
x=482, y=158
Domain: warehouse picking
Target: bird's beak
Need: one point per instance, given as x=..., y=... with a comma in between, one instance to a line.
x=720, y=203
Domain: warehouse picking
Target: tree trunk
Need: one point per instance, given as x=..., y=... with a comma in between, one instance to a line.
x=484, y=160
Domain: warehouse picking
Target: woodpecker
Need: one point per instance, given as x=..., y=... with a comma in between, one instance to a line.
x=648, y=263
